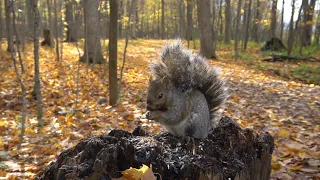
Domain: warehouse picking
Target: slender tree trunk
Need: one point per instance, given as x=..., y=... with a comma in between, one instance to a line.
x=214, y=36
x=189, y=21
x=317, y=31
x=1, y=24
x=113, y=44
x=244, y=24
x=71, y=28
x=273, y=25
x=56, y=30
x=181, y=18
x=221, y=19
x=131, y=13
x=246, y=36
x=308, y=18
x=37, y=85
x=17, y=36
x=7, y=8
x=219, y=23
x=236, y=40
x=61, y=30
x=49, y=15
x=256, y=25
x=206, y=35
x=22, y=86
x=30, y=18
x=134, y=18
x=142, y=17
x=158, y=20
x=163, y=29
x=227, y=22
x=120, y=13
x=282, y=24
x=291, y=31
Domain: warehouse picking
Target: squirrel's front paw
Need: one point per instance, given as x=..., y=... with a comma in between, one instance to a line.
x=152, y=115
x=149, y=115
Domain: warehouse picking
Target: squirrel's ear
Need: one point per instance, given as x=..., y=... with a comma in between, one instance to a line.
x=166, y=82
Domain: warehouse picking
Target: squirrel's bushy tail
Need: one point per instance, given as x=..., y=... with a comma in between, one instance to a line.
x=189, y=71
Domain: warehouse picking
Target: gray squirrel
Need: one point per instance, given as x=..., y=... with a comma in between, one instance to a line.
x=184, y=92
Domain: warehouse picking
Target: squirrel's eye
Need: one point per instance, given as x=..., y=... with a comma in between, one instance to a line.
x=160, y=96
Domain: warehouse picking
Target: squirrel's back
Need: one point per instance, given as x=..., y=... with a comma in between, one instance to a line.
x=188, y=71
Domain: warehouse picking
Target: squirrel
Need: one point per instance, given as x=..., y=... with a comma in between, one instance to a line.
x=184, y=92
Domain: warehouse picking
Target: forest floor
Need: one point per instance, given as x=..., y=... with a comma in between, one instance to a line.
x=259, y=99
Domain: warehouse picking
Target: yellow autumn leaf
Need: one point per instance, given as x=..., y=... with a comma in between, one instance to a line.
x=276, y=166
x=2, y=173
x=68, y=119
x=2, y=124
x=138, y=174
x=302, y=154
x=284, y=134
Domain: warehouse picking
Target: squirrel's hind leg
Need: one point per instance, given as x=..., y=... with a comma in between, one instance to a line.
x=196, y=129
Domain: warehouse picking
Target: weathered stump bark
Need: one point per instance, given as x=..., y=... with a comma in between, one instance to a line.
x=274, y=44
x=229, y=152
x=47, y=38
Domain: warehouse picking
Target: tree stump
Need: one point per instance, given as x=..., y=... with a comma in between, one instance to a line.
x=274, y=44
x=229, y=152
x=47, y=38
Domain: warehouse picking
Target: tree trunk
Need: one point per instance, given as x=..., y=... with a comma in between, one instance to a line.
x=182, y=21
x=158, y=21
x=49, y=16
x=236, y=39
x=7, y=8
x=206, y=35
x=282, y=25
x=113, y=51
x=22, y=86
x=317, y=31
x=291, y=30
x=142, y=16
x=71, y=28
x=228, y=153
x=308, y=18
x=120, y=13
x=37, y=85
x=48, y=39
x=18, y=41
x=1, y=23
x=273, y=25
x=214, y=36
x=92, y=45
x=189, y=21
x=219, y=23
x=244, y=22
x=227, y=22
x=30, y=19
x=257, y=24
x=134, y=19
x=163, y=28
x=246, y=36
x=56, y=30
